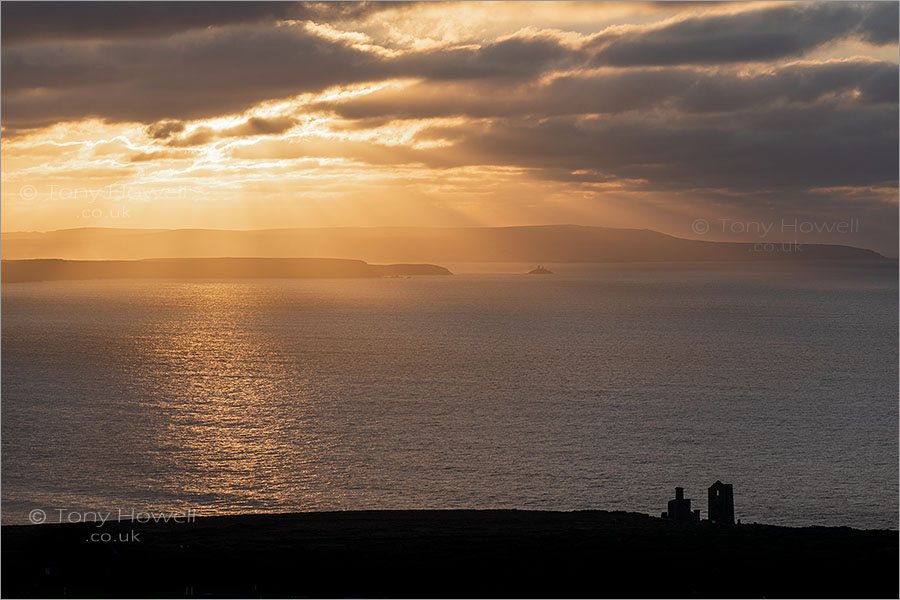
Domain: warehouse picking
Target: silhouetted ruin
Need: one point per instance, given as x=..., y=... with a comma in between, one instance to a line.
x=680, y=508
x=721, y=503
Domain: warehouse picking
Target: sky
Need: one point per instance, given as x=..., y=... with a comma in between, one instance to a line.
x=732, y=121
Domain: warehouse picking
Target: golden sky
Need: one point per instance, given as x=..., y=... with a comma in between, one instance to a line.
x=265, y=115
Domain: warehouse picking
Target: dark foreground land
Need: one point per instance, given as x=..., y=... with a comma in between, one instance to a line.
x=447, y=553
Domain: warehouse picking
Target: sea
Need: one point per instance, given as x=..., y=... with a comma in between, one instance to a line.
x=598, y=387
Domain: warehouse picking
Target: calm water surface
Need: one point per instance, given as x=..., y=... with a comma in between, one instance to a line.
x=597, y=387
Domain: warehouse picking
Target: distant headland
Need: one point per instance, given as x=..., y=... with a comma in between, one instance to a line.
x=17, y=271
x=530, y=244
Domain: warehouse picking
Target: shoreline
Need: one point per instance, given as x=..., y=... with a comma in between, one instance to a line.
x=464, y=553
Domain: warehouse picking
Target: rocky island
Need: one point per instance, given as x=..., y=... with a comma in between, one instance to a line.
x=540, y=271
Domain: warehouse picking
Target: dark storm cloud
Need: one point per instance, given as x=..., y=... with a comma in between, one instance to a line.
x=753, y=35
x=25, y=22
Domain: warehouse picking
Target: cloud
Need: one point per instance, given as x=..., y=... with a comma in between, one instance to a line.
x=779, y=149
x=358, y=151
x=254, y=126
x=27, y=22
x=521, y=56
x=197, y=137
x=261, y=126
x=753, y=35
x=159, y=155
x=228, y=70
x=165, y=129
x=184, y=77
x=148, y=62
x=616, y=91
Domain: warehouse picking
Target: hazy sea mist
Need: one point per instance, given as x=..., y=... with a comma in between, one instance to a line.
x=600, y=387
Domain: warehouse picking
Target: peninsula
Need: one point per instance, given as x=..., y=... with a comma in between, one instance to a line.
x=15, y=271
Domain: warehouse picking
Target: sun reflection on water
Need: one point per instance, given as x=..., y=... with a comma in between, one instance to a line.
x=233, y=430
